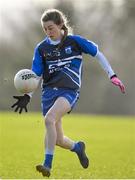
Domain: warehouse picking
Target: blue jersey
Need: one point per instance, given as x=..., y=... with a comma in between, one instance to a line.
x=62, y=67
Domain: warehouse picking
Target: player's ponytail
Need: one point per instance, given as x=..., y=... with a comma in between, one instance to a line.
x=65, y=29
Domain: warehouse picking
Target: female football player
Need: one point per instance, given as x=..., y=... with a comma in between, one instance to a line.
x=58, y=60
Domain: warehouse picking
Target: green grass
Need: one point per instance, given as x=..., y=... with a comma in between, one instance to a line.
x=110, y=144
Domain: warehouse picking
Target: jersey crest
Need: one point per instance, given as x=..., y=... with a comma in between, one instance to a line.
x=68, y=50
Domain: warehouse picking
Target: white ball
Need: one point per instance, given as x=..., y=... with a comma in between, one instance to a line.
x=26, y=81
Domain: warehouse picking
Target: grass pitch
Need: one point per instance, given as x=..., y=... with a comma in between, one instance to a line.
x=110, y=145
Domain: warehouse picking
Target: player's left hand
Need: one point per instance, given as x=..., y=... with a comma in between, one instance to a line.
x=116, y=81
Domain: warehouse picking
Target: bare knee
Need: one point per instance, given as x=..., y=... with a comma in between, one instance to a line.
x=59, y=141
x=49, y=119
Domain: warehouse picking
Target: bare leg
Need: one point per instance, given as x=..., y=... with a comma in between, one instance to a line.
x=62, y=140
x=60, y=107
x=67, y=143
x=51, y=134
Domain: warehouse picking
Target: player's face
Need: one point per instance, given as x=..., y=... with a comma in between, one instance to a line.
x=52, y=30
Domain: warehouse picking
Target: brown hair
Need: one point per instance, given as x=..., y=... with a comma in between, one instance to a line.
x=58, y=18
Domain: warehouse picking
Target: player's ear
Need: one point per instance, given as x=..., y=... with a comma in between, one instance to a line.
x=61, y=25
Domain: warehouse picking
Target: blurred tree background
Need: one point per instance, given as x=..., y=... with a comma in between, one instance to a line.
x=109, y=23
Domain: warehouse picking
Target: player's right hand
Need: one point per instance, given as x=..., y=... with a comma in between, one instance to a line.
x=21, y=103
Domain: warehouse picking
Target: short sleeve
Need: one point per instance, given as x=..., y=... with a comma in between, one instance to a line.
x=37, y=65
x=86, y=46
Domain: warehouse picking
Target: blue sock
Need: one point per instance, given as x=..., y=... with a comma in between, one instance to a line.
x=48, y=160
x=76, y=148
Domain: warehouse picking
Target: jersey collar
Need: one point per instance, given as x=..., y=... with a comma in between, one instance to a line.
x=50, y=41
